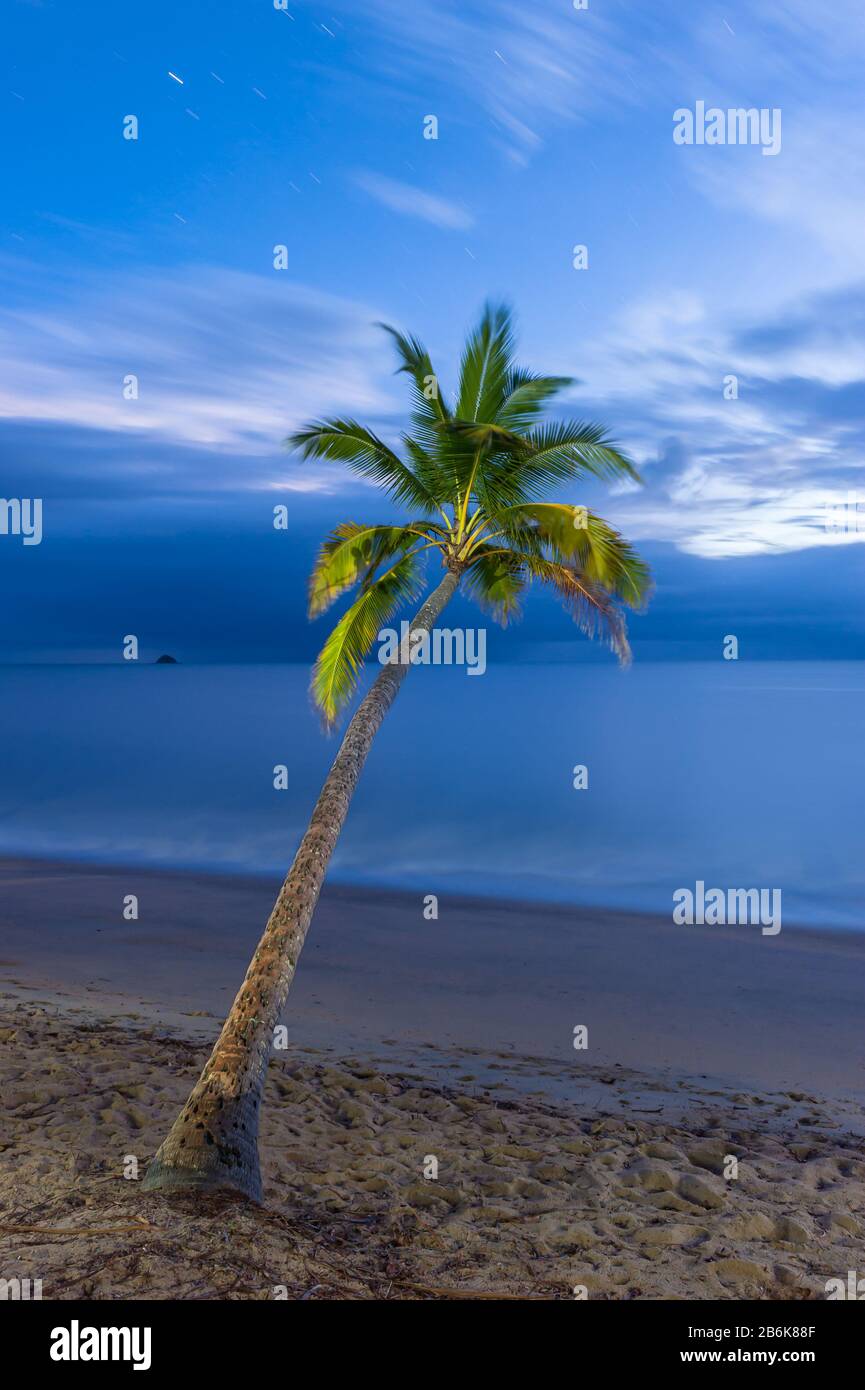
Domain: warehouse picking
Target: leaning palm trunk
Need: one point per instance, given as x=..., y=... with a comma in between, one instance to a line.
x=472, y=474
x=214, y=1140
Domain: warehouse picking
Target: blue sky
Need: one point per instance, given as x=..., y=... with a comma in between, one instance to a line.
x=304, y=128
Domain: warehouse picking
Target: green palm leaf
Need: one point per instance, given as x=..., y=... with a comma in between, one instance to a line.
x=430, y=408
x=496, y=581
x=430, y=413
x=576, y=535
x=486, y=365
x=351, y=552
x=525, y=397
x=348, y=442
x=431, y=469
x=492, y=438
x=335, y=674
x=594, y=610
x=553, y=453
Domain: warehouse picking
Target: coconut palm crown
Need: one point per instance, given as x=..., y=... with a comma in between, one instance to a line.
x=475, y=474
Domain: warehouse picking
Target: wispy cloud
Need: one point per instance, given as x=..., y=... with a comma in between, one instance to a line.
x=220, y=358
x=813, y=194
x=414, y=202
x=534, y=68
x=763, y=425
x=228, y=363
x=527, y=66
x=225, y=364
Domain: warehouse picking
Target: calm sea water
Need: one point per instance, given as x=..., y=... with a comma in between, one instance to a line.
x=740, y=775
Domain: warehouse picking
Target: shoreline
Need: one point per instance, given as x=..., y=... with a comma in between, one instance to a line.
x=498, y=978
x=337, y=883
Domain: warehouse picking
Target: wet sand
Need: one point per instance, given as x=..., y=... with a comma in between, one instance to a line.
x=724, y=1003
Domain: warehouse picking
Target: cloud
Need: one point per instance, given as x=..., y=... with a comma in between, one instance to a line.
x=811, y=192
x=221, y=358
x=529, y=67
x=764, y=471
x=533, y=69
x=796, y=57
x=413, y=202
x=228, y=363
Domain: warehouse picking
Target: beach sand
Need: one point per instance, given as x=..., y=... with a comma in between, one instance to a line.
x=606, y=1170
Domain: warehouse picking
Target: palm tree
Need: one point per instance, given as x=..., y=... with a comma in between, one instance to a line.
x=474, y=475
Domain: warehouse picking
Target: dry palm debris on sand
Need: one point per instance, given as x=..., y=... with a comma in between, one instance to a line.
x=532, y=1199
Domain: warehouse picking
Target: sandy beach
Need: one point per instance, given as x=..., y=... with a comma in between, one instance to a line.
x=607, y=1169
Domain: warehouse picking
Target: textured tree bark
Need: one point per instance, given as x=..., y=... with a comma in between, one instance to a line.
x=214, y=1140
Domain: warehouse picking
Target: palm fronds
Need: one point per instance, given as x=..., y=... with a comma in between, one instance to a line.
x=347, y=442
x=352, y=552
x=579, y=537
x=334, y=676
x=477, y=474
x=526, y=395
x=486, y=365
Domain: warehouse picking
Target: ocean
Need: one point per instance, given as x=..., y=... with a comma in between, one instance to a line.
x=733, y=774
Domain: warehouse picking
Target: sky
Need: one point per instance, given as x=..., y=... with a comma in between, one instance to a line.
x=260, y=127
